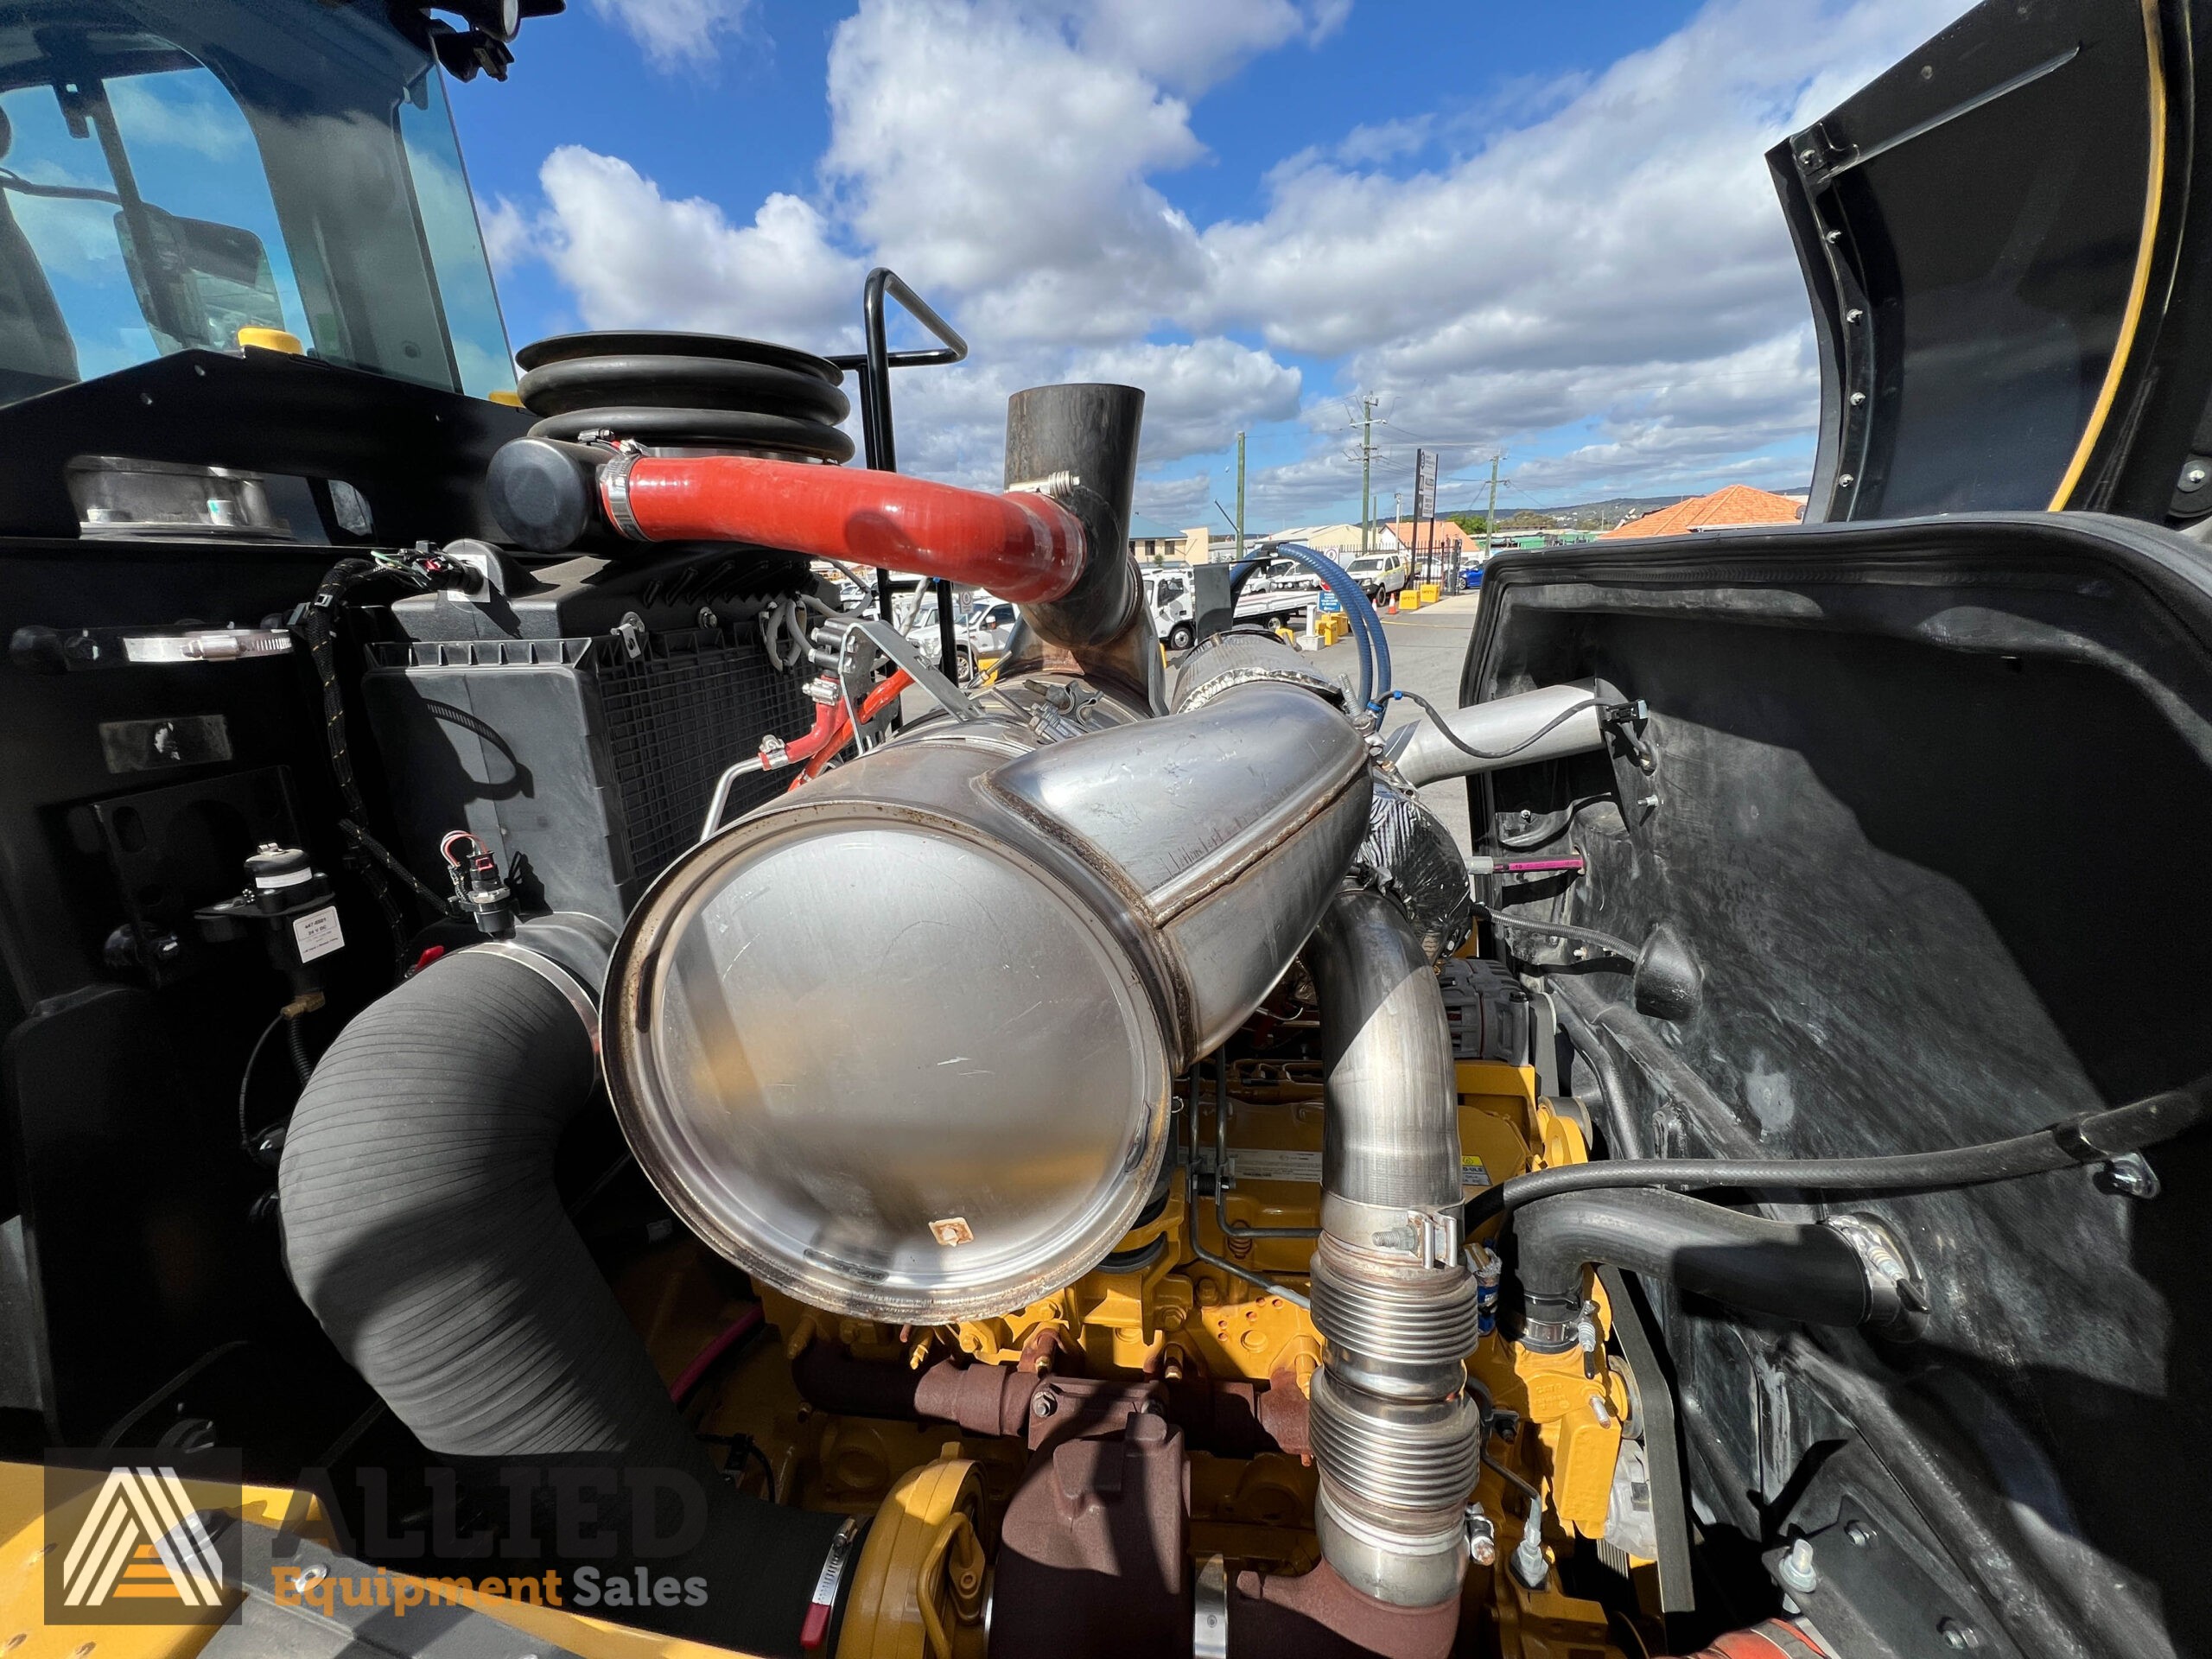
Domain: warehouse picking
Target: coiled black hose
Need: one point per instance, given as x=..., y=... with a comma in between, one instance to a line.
x=2096, y=1139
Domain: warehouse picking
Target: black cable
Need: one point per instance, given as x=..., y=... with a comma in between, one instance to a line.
x=383, y=855
x=1436, y=719
x=246, y=1078
x=1607, y=942
x=2098, y=1138
x=367, y=858
x=301, y=1063
x=767, y=1471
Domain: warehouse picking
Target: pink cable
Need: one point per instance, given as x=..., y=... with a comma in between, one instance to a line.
x=746, y=1321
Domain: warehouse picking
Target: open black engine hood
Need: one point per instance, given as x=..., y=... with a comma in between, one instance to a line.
x=2007, y=250
x=1928, y=803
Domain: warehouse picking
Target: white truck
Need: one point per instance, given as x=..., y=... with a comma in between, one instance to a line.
x=1281, y=594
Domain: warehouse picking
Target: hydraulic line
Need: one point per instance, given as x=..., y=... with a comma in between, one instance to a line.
x=1359, y=612
x=1610, y=942
x=2097, y=1138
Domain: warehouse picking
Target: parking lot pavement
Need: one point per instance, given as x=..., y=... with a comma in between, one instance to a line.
x=1428, y=648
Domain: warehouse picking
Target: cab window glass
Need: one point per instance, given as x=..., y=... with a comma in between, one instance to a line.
x=165, y=159
x=172, y=171
x=464, y=274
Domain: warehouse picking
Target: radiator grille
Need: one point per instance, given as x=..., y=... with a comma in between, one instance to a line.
x=677, y=716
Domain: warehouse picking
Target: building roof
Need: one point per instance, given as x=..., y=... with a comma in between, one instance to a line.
x=1725, y=509
x=1424, y=533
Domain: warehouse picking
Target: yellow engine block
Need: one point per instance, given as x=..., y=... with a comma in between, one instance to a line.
x=1173, y=1314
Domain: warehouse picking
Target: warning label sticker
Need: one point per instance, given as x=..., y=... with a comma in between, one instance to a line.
x=317, y=933
x=1268, y=1164
x=1471, y=1171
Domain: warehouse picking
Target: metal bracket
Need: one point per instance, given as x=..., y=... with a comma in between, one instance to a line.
x=1439, y=1235
x=900, y=650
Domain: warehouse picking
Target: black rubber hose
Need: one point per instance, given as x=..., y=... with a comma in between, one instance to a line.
x=1798, y=1272
x=2096, y=1139
x=422, y=1226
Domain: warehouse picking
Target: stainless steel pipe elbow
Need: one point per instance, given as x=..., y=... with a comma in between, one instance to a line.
x=1398, y=1434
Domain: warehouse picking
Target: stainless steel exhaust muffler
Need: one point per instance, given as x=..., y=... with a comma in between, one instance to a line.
x=901, y=1044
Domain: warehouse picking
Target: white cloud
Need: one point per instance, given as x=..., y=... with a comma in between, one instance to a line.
x=1188, y=45
x=509, y=237
x=1195, y=394
x=1594, y=272
x=676, y=34
x=186, y=111
x=634, y=259
x=981, y=150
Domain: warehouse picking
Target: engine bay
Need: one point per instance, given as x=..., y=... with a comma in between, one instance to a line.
x=599, y=1077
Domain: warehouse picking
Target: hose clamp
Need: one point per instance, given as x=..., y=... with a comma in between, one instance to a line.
x=572, y=989
x=615, y=492
x=1897, y=1302
x=822, y=1605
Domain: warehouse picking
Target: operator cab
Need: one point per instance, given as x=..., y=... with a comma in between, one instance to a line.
x=221, y=174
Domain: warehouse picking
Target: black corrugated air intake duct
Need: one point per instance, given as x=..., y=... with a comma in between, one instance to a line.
x=678, y=393
x=423, y=1227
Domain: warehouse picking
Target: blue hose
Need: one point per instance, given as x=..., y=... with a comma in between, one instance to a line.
x=1366, y=622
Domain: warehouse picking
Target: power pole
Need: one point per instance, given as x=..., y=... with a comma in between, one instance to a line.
x=1490, y=520
x=1366, y=467
x=1240, y=498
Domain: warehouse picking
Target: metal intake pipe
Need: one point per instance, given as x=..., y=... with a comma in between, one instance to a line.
x=1397, y=1436
x=1544, y=724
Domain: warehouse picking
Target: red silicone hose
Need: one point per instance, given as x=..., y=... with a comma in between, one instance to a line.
x=1019, y=546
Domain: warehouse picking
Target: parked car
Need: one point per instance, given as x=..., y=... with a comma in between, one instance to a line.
x=1380, y=575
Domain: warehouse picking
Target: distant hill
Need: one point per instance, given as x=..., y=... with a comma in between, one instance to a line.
x=1588, y=515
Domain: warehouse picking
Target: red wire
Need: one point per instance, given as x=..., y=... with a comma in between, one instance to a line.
x=693, y=1373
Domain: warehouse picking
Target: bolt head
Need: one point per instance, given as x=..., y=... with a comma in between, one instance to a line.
x=1860, y=1534
x=2194, y=475
x=1844, y=481
x=1794, y=1569
x=1043, y=1403
x=1858, y=400
x=1962, y=1637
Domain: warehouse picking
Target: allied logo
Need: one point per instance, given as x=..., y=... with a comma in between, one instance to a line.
x=133, y=1542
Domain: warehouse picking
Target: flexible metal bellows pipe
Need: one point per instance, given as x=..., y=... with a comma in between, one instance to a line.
x=1397, y=1436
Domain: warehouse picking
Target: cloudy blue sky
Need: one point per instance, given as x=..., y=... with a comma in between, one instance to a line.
x=1543, y=227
